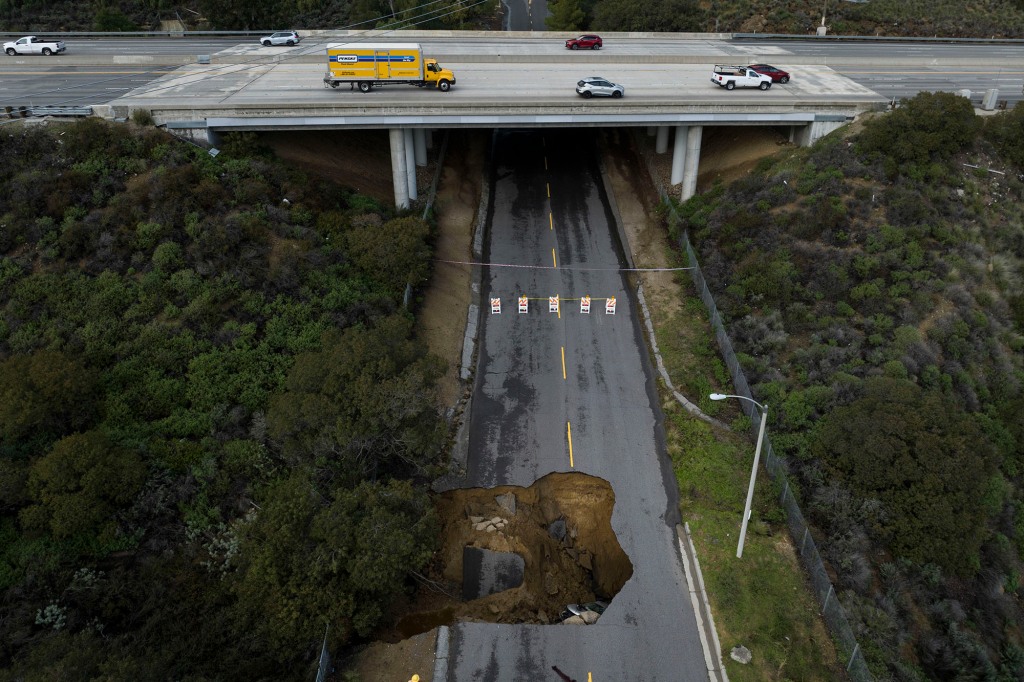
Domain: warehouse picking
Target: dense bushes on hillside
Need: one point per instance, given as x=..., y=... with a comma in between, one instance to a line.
x=250, y=15
x=208, y=395
x=981, y=19
x=873, y=294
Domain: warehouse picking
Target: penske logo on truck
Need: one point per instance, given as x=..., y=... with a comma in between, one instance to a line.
x=355, y=58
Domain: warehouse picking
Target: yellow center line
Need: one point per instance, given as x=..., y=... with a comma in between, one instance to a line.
x=549, y=189
x=551, y=221
x=568, y=431
x=589, y=679
x=545, y=163
x=563, y=362
x=553, y=257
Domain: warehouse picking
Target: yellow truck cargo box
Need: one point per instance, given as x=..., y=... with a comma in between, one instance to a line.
x=376, y=61
x=372, y=65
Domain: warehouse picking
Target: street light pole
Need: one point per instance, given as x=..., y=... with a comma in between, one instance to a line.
x=753, y=470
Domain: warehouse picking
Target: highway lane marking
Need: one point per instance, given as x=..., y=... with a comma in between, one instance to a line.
x=563, y=363
x=553, y=257
x=930, y=72
x=589, y=679
x=548, y=184
x=88, y=73
x=568, y=431
x=551, y=221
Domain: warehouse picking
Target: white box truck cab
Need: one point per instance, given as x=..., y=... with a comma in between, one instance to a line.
x=371, y=65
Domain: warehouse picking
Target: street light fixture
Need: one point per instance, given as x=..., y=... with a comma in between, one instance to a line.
x=753, y=471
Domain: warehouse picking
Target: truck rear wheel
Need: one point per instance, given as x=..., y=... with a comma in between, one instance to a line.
x=765, y=85
x=443, y=85
x=335, y=84
x=364, y=86
x=730, y=85
x=47, y=51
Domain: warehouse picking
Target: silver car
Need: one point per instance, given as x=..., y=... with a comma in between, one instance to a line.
x=288, y=38
x=592, y=86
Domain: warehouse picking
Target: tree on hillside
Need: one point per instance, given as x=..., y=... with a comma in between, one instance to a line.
x=566, y=15
x=925, y=460
x=1006, y=131
x=307, y=561
x=931, y=126
x=394, y=254
x=363, y=405
x=652, y=15
x=80, y=484
x=43, y=395
x=248, y=15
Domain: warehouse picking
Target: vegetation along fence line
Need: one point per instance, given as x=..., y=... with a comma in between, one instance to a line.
x=831, y=609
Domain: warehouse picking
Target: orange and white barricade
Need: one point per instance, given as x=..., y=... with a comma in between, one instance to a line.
x=552, y=304
x=495, y=306
x=585, y=305
x=524, y=304
x=609, y=305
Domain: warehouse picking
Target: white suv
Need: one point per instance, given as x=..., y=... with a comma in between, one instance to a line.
x=592, y=86
x=288, y=38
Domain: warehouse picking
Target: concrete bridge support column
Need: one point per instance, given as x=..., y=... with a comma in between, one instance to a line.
x=814, y=131
x=693, y=136
x=428, y=133
x=661, y=141
x=399, y=174
x=678, y=155
x=410, y=163
x=213, y=137
x=420, y=137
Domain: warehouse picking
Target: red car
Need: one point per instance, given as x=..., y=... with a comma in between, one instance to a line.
x=590, y=42
x=777, y=75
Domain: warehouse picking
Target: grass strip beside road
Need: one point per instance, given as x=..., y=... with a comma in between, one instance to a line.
x=762, y=601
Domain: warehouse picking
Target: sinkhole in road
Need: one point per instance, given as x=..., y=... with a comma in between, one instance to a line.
x=520, y=555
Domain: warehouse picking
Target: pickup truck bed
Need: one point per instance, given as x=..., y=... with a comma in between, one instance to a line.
x=730, y=77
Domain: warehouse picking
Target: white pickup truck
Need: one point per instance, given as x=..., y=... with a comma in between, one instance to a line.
x=33, y=45
x=730, y=77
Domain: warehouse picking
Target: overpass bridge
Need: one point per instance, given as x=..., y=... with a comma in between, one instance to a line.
x=503, y=81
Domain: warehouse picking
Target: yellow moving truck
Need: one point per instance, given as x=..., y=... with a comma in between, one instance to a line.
x=376, y=64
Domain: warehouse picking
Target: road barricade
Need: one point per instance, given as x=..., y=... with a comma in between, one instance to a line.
x=585, y=305
x=495, y=306
x=524, y=304
x=552, y=304
x=609, y=305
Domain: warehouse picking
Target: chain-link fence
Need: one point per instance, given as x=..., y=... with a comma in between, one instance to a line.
x=831, y=610
x=324, y=667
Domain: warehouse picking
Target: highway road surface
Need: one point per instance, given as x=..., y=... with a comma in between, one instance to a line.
x=95, y=71
x=595, y=411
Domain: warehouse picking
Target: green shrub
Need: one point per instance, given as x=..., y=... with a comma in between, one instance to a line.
x=929, y=126
x=143, y=117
